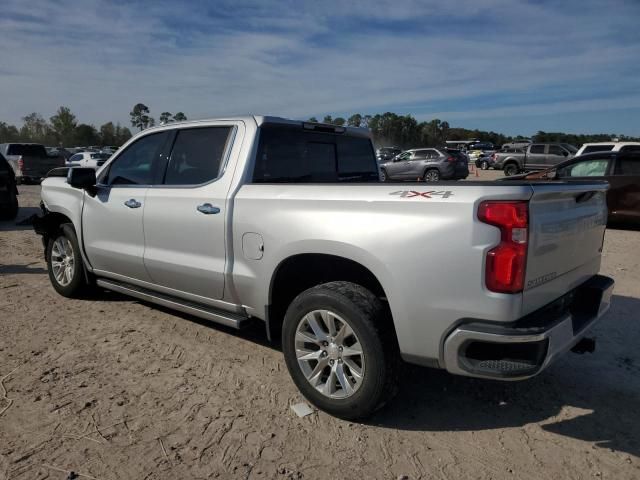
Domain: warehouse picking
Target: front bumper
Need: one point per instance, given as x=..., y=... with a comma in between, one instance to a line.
x=524, y=348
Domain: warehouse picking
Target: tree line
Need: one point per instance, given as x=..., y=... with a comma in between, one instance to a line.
x=388, y=129
x=404, y=131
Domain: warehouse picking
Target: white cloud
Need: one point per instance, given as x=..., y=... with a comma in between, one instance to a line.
x=303, y=58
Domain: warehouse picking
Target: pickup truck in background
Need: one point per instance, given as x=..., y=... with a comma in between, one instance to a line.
x=537, y=156
x=287, y=222
x=29, y=161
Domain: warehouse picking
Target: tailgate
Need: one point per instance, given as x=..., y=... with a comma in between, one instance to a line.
x=566, y=230
x=39, y=166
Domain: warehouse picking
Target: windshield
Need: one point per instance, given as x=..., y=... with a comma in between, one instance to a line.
x=26, y=149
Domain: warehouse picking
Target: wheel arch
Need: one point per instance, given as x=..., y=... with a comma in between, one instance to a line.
x=286, y=282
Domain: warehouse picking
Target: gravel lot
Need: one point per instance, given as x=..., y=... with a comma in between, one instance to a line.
x=112, y=388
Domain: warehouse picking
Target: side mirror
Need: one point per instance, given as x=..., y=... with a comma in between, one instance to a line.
x=80, y=177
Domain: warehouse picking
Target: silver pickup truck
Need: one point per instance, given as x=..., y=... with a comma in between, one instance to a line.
x=287, y=222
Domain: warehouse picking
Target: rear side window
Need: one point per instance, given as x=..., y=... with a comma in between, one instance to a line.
x=630, y=148
x=628, y=165
x=292, y=155
x=197, y=154
x=139, y=163
x=537, y=149
x=597, y=148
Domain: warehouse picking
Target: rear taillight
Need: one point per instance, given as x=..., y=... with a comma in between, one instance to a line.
x=505, y=263
x=451, y=159
x=20, y=164
x=493, y=156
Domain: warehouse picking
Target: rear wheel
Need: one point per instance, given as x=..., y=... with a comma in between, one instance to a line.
x=336, y=349
x=431, y=175
x=383, y=175
x=64, y=263
x=484, y=165
x=510, y=169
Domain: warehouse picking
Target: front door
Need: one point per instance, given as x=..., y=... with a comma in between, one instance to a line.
x=184, y=218
x=623, y=196
x=112, y=226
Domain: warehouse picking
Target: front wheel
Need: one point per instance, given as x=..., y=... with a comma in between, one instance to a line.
x=484, y=165
x=337, y=351
x=64, y=263
x=383, y=175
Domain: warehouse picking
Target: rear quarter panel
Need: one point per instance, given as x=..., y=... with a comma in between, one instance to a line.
x=427, y=250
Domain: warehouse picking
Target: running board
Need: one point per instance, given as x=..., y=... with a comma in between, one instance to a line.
x=202, y=311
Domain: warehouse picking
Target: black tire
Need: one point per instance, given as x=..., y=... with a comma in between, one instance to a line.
x=77, y=286
x=11, y=212
x=511, y=169
x=383, y=175
x=431, y=175
x=484, y=165
x=366, y=316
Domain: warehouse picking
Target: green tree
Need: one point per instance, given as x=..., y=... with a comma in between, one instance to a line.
x=140, y=116
x=64, y=124
x=313, y=119
x=108, y=134
x=165, y=117
x=8, y=133
x=355, y=120
x=35, y=129
x=179, y=117
x=121, y=134
x=86, y=135
x=339, y=121
x=327, y=119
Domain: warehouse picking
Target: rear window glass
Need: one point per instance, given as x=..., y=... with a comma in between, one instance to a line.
x=291, y=154
x=597, y=148
x=26, y=150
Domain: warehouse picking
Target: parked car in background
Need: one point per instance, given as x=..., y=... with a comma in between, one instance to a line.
x=520, y=144
x=29, y=161
x=537, y=156
x=88, y=159
x=109, y=149
x=8, y=191
x=428, y=164
x=385, y=154
x=620, y=169
x=58, y=152
x=608, y=147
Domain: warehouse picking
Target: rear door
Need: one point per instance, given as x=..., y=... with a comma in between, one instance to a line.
x=624, y=193
x=184, y=217
x=112, y=224
x=566, y=231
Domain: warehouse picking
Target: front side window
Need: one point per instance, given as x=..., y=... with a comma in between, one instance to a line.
x=197, y=155
x=630, y=148
x=290, y=154
x=76, y=158
x=138, y=164
x=587, y=168
x=556, y=150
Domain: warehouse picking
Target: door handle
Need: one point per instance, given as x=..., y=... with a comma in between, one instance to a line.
x=208, y=209
x=133, y=203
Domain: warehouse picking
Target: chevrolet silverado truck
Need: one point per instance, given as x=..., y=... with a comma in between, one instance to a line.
x=537, y=156
x=287, y=223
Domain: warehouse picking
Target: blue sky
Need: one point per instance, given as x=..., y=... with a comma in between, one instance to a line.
x=512, y=66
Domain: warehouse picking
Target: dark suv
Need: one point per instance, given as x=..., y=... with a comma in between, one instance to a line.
x=428, y=164
x=8, y=191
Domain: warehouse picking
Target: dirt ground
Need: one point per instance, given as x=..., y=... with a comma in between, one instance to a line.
x=112, y=388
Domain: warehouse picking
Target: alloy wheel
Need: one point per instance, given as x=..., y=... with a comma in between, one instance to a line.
x=62, y=260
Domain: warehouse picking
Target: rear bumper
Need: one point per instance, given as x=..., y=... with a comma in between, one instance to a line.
x=524, y=348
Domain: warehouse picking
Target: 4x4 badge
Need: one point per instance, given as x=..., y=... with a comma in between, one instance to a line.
x=430, y=194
